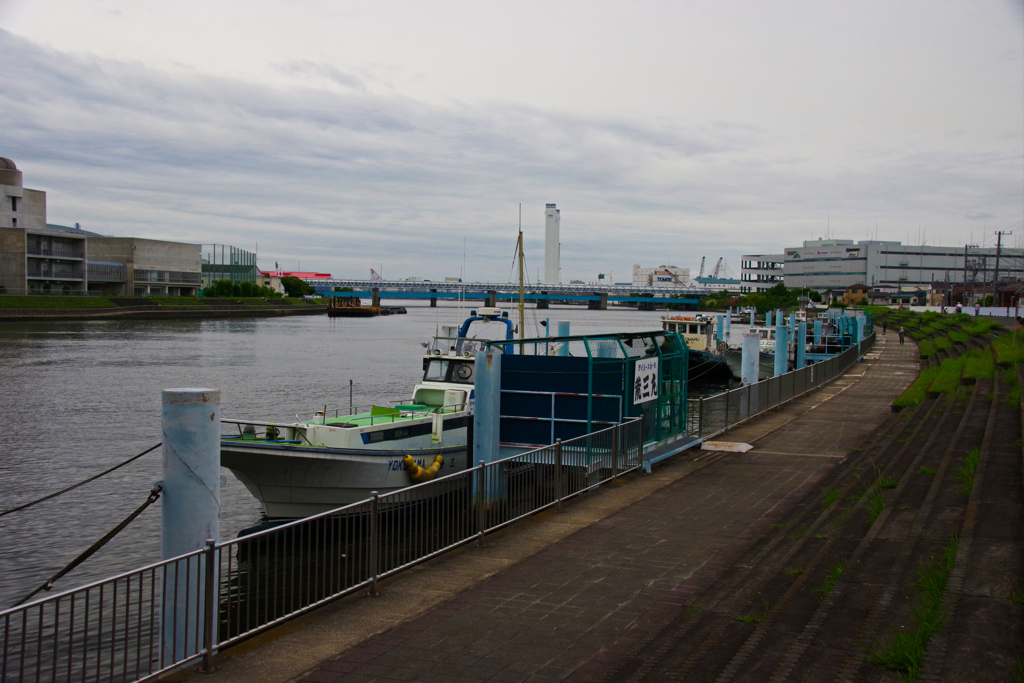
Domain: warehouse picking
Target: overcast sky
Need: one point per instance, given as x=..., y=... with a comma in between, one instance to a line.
x=342, y=136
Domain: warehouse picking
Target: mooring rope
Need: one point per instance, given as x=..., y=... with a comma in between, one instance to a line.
x=153, y=495
x=81, y=483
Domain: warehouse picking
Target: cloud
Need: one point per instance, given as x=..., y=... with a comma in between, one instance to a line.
x=978, y=215
x=324, y=171
x=320, y=70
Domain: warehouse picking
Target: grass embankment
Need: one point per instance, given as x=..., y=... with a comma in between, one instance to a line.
x=948, y=378
x=982, y=326
x=1009, y=349
x=926, y=347
x=959, y=336
x=916, y=392
x=979, y=364
x=54, y=302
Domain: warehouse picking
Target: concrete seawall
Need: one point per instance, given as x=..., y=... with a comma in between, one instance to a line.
x=154, y=313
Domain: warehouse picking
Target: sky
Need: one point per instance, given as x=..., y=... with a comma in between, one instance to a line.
x=404, y=136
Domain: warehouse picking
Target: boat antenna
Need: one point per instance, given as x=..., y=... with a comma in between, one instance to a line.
x=522, y=292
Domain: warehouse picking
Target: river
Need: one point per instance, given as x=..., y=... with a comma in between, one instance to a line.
x=79, y=397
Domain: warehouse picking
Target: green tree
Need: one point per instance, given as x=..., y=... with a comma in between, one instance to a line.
x=296, y=287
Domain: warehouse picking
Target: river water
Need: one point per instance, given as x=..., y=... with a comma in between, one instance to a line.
x=79, y=397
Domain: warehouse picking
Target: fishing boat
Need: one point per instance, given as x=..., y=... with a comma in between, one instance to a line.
x=302, y=468
x=707, y=357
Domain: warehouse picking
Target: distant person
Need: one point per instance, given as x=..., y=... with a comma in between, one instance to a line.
x=977, y=308
x=902, y=335
x=943, y=311
x=959, y=307
x=885, y=326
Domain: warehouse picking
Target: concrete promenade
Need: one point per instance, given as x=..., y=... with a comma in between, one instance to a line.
x=566, y=596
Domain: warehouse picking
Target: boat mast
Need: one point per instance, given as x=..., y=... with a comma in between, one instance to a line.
x=522, y=287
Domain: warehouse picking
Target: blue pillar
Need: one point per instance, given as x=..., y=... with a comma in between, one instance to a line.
x=817, y=331
x=190, y=506
x=563, y=331
x=769, y=318
x=487, y=406
x=720, y=329
x=792, y=321
x=801, y=345
x=751, y=358
x=781, y=349
x=728, y=324
x=752, y=318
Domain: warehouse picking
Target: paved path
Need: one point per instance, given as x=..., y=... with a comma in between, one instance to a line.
x=558, y=611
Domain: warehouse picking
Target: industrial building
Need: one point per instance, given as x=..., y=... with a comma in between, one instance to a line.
x=668, y=277
x=39, y=257
x=552, y=245
x=759, y=272
x=837, y=263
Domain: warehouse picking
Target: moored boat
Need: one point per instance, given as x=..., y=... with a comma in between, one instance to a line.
x=313, y=465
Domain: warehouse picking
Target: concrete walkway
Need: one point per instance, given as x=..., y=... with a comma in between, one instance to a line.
x=543, y=599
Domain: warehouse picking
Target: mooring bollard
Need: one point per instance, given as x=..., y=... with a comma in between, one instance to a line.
x=190, y=518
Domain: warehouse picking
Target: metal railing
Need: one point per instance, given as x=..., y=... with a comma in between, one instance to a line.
x=140, y=624
x=712, y=415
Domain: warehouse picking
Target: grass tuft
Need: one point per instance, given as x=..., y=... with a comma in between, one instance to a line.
x=831, y=577
x=875, y=505
x=831, y=496
x=926, y=470
x=905, y=650
x=794, y=572
x=965, y=473
x=888, y=483
x=753, y=618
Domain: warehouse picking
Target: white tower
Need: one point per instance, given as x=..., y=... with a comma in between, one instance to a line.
x=552, y=247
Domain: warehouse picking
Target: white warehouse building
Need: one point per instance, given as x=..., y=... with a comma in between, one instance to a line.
x=759, y=272
x=837, y=264
x=661, y=276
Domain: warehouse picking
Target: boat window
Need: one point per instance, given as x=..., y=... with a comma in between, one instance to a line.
x=763, y=334
x=463, y=372
x=437, y=371
x=694, y=329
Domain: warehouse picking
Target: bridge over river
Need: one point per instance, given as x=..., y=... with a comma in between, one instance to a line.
x=492, y=293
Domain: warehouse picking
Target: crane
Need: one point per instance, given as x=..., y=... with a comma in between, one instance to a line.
x=374, y=276
x=718, y=267
x=702, y=266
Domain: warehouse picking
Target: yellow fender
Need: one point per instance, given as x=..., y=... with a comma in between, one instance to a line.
x=417, y=473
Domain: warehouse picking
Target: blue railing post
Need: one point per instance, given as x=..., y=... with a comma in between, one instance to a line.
x=781, y=350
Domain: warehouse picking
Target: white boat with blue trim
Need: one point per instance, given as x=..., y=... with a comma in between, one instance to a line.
x=318, y=464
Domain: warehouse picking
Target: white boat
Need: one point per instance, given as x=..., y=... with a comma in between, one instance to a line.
x=302, y=468
x=707, y=356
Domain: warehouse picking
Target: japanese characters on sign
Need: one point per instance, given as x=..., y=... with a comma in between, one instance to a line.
x=645, y=380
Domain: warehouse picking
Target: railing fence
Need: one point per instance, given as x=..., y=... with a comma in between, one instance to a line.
x=146, y=622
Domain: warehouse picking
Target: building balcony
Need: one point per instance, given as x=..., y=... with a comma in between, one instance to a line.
x=66, y=254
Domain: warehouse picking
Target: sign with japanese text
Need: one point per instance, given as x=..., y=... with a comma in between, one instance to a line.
x=645, y=380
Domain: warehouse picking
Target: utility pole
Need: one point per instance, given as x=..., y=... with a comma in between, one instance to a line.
x=963, y=295
x=995, y=278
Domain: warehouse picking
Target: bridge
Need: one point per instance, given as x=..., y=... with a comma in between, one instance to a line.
x=491, y=293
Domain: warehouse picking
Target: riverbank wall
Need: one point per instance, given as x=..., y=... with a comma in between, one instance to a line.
x=157, y=312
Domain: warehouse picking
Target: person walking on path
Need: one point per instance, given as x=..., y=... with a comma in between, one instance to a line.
x=885, y=326
x=902, y=334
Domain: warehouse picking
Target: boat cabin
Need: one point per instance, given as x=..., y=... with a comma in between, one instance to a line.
x=697, y=331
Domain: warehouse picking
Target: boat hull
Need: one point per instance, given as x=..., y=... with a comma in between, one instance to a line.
x=298, y=481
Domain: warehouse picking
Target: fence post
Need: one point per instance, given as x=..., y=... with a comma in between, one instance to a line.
x=211, y=602
x=374, y=541
x=700, y=418
x=481, y=520
x=558, y=475
x=726, y=424
x=615, y=452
